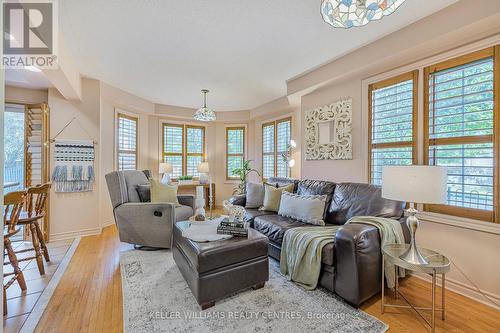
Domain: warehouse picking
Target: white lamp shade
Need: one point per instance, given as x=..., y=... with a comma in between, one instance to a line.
x=414, y=183
x=165, y=168
x=203, y=167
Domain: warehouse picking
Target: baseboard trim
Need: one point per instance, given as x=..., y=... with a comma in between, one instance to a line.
x=107, y=224
x=464, y=290
x=75, y=234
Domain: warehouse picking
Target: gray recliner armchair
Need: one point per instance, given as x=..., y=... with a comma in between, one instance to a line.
x=144, y=223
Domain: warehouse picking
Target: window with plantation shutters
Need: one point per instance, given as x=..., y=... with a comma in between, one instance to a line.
x=183, y=147
x=127, y=142
x=268, y=152
x=459, y=132
x=235, y=150
x=173, y=148
x=276, y=137
x=392, y=119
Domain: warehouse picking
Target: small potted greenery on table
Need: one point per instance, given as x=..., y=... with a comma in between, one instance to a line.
x=185, y=179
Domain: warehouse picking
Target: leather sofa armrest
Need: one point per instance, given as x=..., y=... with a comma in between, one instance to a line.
x=358, y=262
x=146, y=223
x=186, y=200
x=238, y=200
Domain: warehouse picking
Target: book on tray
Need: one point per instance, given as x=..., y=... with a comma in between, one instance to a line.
x=232, y=228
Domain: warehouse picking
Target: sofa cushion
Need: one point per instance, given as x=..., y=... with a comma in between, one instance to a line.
x=163, y=192
x=318, y=187
x=251, y=214
x=272, y=196
x=144, y=191
x=183, y=213
x=355, y=199
x=274, y=226
x=255, y=195
x=283, y=181
x=132, y=178
x=304, y=208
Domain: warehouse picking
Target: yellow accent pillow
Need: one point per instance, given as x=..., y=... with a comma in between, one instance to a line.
x=272, y=196
x=163, y=192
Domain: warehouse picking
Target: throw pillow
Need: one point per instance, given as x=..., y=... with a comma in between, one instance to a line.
x=144, y=191
x=272, y=197
x=304, y=208
x=163, y=192
x=254, y=195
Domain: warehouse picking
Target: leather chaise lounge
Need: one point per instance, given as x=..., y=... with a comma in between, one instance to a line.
x=351, y=266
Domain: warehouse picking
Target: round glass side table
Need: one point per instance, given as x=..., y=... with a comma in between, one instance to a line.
x=437, y=264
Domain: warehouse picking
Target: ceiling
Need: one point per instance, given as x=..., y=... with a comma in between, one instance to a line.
x=26, y=79
x=243, y=51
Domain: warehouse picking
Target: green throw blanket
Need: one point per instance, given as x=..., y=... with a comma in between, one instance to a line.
x=301, y=249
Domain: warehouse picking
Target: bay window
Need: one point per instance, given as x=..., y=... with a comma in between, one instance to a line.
x=235, y=150
x=184, y=147
x=276, y=136
x=392, y=132
x=127, y=142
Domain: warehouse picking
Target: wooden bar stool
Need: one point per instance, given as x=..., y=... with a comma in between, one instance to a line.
x=13, y=203
x=35, y=210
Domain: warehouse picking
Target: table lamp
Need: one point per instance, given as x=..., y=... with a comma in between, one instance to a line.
x=165, y=169
x=415, y=184
x=203, y=169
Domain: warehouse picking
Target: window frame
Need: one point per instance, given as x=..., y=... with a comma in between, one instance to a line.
x=134, y=118
x=413, y=75
x=275, y=152
x=473, y=213
x=184, y=155
x=243, y=154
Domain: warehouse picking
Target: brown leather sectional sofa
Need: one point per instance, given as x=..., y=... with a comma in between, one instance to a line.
x=351, y=266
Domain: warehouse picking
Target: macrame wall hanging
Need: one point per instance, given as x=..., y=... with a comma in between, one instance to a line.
x=74, y=163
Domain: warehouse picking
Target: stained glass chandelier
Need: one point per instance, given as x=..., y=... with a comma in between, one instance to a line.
x=204, y=113
x=356, y=13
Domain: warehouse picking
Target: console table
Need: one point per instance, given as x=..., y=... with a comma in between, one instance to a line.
x=437, y=264
x=190, y=188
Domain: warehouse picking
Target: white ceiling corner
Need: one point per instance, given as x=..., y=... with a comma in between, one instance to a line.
x=166, y=51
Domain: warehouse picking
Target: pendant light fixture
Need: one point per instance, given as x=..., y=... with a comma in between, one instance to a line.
x=204, y=113
x=356, y=13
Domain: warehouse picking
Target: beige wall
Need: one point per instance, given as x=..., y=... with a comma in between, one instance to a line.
x=76, y=214
x=73, y=214
x=338, y=171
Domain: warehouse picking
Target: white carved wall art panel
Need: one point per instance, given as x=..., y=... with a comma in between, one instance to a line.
x=328, y=132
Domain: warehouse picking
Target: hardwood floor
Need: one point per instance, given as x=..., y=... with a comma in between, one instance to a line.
x=21, y=303
x=89, y=297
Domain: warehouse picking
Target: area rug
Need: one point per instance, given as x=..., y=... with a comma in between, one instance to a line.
x=157, y=299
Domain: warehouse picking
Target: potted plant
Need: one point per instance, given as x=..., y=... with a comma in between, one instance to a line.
x=185, y=179
x=243, y=173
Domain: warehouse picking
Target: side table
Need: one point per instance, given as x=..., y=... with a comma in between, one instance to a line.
x=437, y=264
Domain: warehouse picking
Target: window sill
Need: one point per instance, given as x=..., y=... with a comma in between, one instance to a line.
x=460, y=222
x=231, y=181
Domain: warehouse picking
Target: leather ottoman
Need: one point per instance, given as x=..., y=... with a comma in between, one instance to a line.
x=214, y=270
